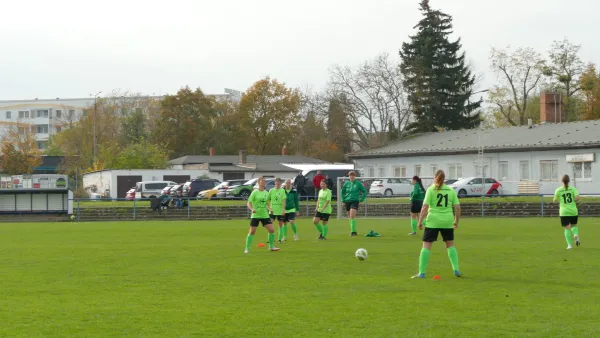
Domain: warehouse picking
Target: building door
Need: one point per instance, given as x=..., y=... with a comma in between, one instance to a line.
x=177, y=178
x=233, y=176
x=124, y=183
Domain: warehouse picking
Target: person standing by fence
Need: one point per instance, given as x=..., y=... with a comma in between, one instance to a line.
x=317, y=181
x=568, y=196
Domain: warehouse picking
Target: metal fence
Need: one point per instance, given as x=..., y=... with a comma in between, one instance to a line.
x=372, y=207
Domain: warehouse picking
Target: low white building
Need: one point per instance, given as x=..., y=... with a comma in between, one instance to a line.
x=537, y=153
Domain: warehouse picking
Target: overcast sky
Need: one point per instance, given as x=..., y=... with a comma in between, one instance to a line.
x=65, y=48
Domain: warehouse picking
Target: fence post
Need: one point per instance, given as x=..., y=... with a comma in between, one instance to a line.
x=307, y=206
x=366, y=207
x=134, y=211
x=78, y=210
x=542, y=205
x=482, y=205
x=189, y=206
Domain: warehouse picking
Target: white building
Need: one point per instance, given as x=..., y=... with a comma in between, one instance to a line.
x=48, y=116
x=539, y=153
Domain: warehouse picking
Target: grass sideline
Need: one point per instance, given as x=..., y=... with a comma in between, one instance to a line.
x=192, y=279
x=371, y=200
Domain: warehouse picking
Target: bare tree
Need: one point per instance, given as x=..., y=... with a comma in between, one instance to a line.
x=373, y=96
x=519, y=73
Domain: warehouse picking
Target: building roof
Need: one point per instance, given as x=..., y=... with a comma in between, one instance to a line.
x=235, y=159
x=260, y=167
x=549, y=136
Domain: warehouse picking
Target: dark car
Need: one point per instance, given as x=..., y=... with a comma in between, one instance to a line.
x=334, y=174
x=193, y=187
x=222, y=188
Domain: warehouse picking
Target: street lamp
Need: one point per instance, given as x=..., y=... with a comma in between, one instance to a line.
x=95, y=108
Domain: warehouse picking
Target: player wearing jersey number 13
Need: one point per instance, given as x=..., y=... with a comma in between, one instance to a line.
x=442, y=211
x=568, y=196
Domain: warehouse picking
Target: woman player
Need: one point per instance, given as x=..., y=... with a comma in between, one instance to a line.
x=353, y=192
x=276, y=205
x=568, y=196
x=417, y=195
x=292, y=209
x=323, y=210
x=257, y=203
x=442, y=211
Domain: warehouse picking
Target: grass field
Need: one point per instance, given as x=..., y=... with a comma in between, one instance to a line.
x=194, y=202
x=192, y=279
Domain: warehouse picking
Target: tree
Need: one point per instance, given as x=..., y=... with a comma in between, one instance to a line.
x=565, y=69
x=185, y=122
x=141, y=155
x=20, y=154
x=590, y=87
x=338, y=130
x=519, y=73
x=438, y=81
x=226, y=126
x=372, y=95
x=269, y=114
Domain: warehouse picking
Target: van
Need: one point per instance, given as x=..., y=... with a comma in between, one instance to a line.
x=309, y=189
x=150, y=189
x=193, y=187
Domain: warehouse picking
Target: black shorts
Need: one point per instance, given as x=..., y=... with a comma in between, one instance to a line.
x=278, y=217
x=415, y=207
x=322, y=216
x=431, y=234
x=265, y=221
x=289, y=216
x=566, y=220
x=351, y=205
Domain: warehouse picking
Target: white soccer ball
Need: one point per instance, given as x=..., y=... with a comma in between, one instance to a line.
x=361, y=254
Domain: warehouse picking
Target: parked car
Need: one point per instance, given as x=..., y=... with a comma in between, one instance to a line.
x=241, y=191
x=269, y=184
x=194, y=187
x=150, y=189
x=130, y=195
x=222, y=188
x=451, y=181
x=475, y=186
x=334, y=174
x=390, y=186
x=167, y=189
x=208, y=194
x=174, y=189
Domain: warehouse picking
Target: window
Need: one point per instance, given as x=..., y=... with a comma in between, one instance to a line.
x=42, y=113
x=42, y=145
x=582, y=171
x=503, y=170
x=417, y=170
x=24, y=114
x=455, y=171
x=481, y=170
x=371, y=171
x=549, y=170
x=476, y=181
x=381, y=172
x=59, y=113
x=71, y=113
x=524, y=170
x=155, y=186
x=58, y=129
x=42, y=129
x=8, y=115
x=434, y=168
x=400, y=171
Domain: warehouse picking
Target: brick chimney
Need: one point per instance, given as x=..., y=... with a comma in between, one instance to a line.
x=283, y=151
x=211, y=151
x=551, y=108
x=243, y=156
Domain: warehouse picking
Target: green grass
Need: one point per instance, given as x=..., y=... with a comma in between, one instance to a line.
x=192, y=279
x=474, y=200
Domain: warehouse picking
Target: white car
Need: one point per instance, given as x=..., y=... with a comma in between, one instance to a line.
x=390, y=187
x=476, y=186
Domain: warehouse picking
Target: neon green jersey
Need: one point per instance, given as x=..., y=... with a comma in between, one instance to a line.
x=324, y=197
x=441, y=204
x=277, y=198
x=259, y=204
x=566, y=196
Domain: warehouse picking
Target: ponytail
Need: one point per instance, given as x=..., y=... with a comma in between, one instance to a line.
x=565, y=181
x=420, y=183
x=439, y=179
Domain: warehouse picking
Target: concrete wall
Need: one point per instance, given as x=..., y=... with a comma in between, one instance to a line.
x=385, y=167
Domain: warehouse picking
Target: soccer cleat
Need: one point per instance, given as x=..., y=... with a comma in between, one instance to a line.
x=353, y=234
x=279, y=241
x=458, y=273
x=320, y=237
x=324, y=238
x=296, y=237
x=569, y=247
x=419, y=275
x=577, y=242
x=246, y=251
x=412, y=233
x=274, y=249
x=284, y=239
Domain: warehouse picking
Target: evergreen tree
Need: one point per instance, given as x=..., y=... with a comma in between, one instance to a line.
x=337, y=125
x=438, y=81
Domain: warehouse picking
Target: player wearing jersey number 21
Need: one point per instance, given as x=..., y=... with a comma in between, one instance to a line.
x=568, y=196
x=442, y=212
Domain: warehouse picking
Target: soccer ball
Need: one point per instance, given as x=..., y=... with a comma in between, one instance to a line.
x=361, y=254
